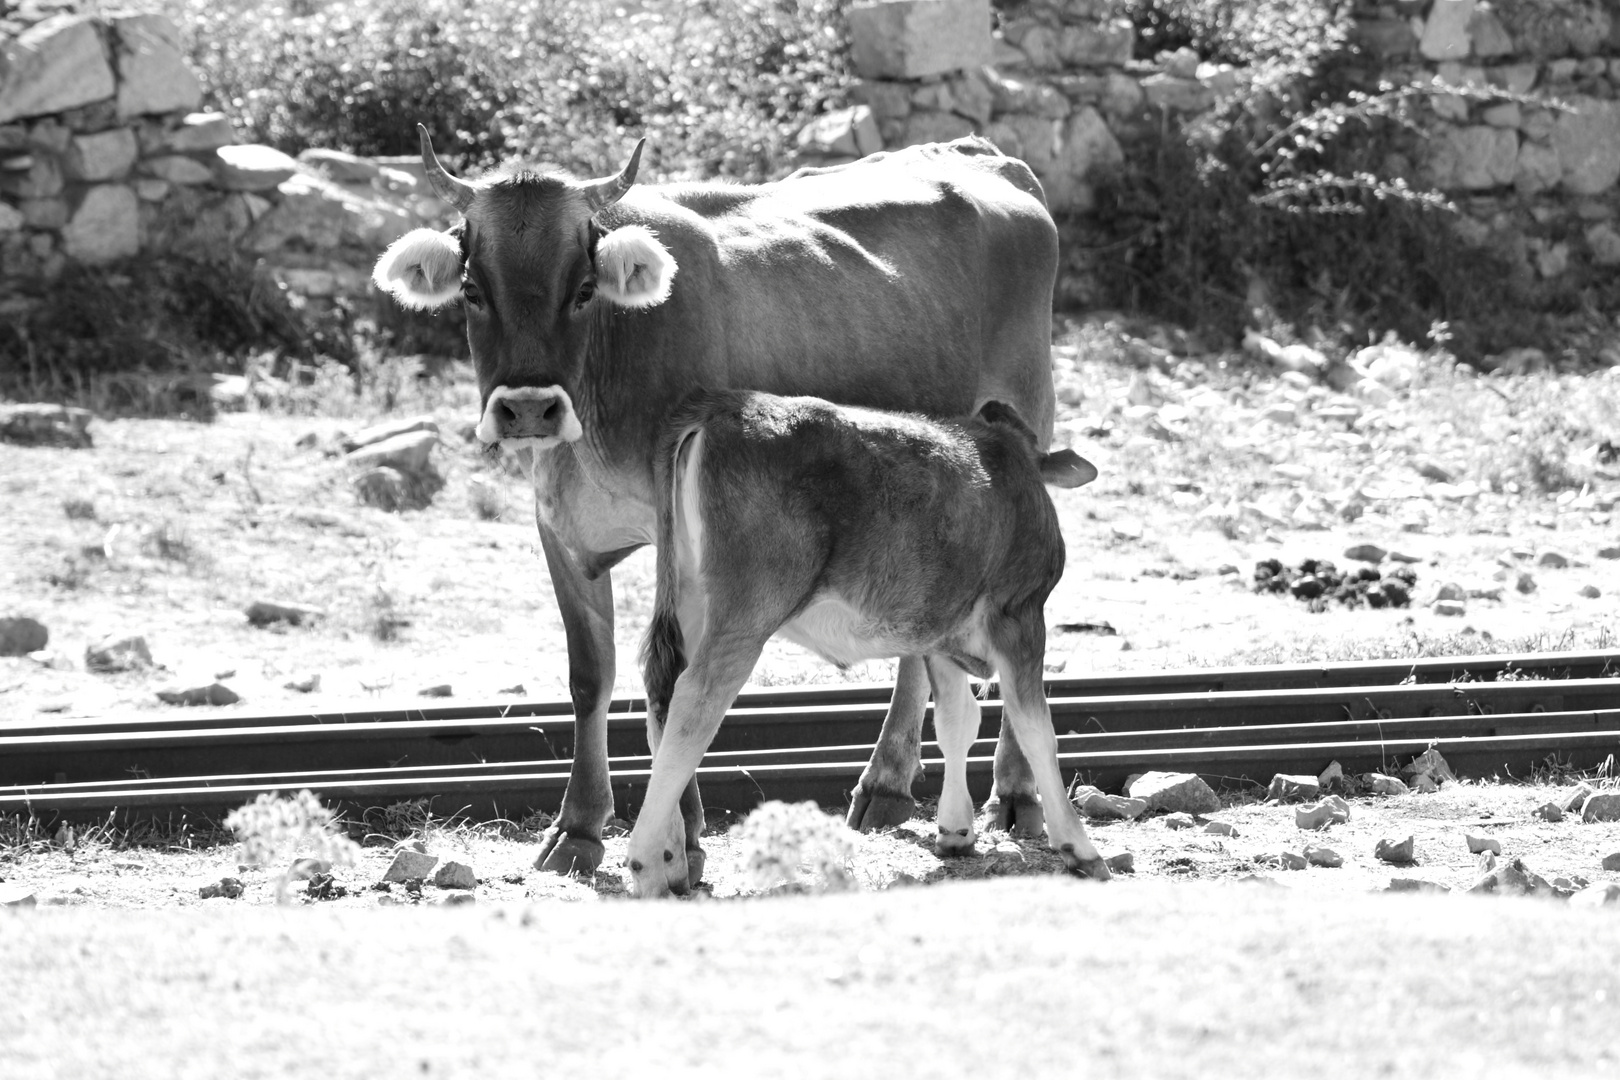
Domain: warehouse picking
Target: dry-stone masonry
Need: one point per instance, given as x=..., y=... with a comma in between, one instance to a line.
x=104, y=155
x=1062, y=91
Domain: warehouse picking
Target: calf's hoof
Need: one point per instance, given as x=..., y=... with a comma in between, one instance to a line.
x=1095, y=867
x=569, y=855
x=952, y=842
x=879, y=811
x=695, y=860
x=654, y=877
x=1020, y=815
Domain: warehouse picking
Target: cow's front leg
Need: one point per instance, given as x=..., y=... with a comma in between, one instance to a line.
x=1014, y=803
x=573, y=844
x=882, y=796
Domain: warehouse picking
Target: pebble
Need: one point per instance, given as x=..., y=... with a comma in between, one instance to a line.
x=1371, y=553
x=267, y=612
x=1478, y=844
x=1178, y=820
x=1184, y=792
x=1095, y=804
x=1122, y=863
x=1332, y=776
x=214, y=693
x=1553, y=560
x=118, y=653
x=1604, y=806
x=439, y=690
x=1222, y=828
x=1287, y=860
x=1286, y=788
x=1525, y=583
x=228, y=887
x=1415, y=885
x=1611, y=862
x=17, y=896
x=20, y=636
x=1450, y=608
x=1397, y=851
x=460, y=899
x=410, y=865
x=1424, y=784
x=307, y=685
x=455, y=875
x=1571, y=803
x=1591, y=592
x=1512, y=878
x=304, y=869
x=1548, y=812
x=1323, y=856
x=1379, y=784
x=1330, y=811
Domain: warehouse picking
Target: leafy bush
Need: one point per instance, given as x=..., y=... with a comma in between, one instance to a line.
x=718, y=86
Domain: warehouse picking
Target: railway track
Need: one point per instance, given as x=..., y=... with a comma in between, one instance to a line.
x=1487, y=715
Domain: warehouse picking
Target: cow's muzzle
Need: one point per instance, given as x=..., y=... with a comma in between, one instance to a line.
x=532, y=416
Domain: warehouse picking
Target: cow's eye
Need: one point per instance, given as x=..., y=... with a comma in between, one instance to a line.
x=587, y=289
x=470, y=293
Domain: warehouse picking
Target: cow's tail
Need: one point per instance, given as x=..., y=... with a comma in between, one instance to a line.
x=663, y=650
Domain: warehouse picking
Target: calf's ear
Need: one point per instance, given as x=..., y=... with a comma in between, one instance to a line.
x=632, y=268
x=421, y=270
x=1065, y=468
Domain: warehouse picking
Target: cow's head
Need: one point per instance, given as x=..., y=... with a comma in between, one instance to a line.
x=531, y=263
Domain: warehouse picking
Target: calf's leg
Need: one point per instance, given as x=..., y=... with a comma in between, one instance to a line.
x=882, y=796
x=660, y=687
x=956, y=723
x=1030, y=717
x=657, y=855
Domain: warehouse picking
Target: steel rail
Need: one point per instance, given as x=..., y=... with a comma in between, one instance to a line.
x=101, y=756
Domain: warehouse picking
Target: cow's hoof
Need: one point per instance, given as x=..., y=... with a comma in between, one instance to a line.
x=571, y=856
x=953, y=842
x=1095, y=868
x=879, y=811
x=694, y=866
x=1020, y=815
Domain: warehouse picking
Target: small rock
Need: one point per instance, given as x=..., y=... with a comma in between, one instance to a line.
x=408, y=452
x=17, y=896
x=1598, y=895
x=1449, y=608
x=454, y=875
x=45, y=425
x=460, y=899
x=1094, y=804
x=1332, y=777
x=439, y=690
x=265, y=612
x=1525, y=583
x=1572, y=803
x=1548, y=812
x=214, y=693
x=251, y=167
x=387, y=901
x=409, y=865
x=1178, y=820
x=1433, y=764
x=1222, y=828
x=1553, y=560
x=380, y=432
x=1604, y=806
x=1511, y=877
x=1591, y=592
x=20, y=636
x=304, y=869
x=1417, y=885
x=1122, y=863
x=1609, y=552
x=325, y=887
x=1330, y=811
x=307, y=685
x=1611, y=862
x=1286, y=788
x=1185, y=792
x=515, y=688
x=1287, y=860
x=1399, y=852
x=1404, y=557
x=1323, y=856
x=1478, y=844
x=1424, y=784
x=228, y=887
x=1450, y=590
x=115, y=653
x=1371, y=553
x=1379, y=784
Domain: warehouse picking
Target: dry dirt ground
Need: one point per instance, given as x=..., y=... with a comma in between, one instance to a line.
x=169, y=528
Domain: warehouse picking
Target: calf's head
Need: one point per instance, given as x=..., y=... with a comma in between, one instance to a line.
x=532, y=265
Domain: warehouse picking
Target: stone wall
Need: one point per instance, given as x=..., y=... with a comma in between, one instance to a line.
x=1054, y=82
x=103, y=156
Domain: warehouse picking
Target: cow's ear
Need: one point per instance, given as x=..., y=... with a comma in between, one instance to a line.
x=1065, y=468
x=422, y=269
x=632, y=268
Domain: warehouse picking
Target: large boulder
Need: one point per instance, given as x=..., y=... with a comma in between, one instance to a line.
x=1588, y=145
x=106, y=155
x=56, y=65
x=105, y=226
x=316, y=213
x=153, y=76
x=252, y=168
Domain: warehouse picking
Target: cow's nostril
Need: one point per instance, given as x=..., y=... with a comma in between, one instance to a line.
x=552, y=411
x=504, y=415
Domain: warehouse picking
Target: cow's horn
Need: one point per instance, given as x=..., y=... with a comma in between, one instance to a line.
x=458, y=193
x=601, y=194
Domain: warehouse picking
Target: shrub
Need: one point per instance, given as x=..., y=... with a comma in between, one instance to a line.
x=274, y=828
x=780, y=841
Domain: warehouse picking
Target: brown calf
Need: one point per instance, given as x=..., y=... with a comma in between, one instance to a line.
x=857, y=534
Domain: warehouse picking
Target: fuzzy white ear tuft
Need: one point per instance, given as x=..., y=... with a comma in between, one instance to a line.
x=421, y=270
x=632, y=268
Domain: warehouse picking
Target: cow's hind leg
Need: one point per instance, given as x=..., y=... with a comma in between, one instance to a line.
x=956, y=723
x=1029, y=716
x=882, y=797
x=573, y=843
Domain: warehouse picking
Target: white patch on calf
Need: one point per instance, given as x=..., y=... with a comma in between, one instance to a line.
x=632, y=268
x=488, y=430
x=421, y=270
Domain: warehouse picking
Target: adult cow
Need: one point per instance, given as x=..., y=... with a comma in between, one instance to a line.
x=918, y=280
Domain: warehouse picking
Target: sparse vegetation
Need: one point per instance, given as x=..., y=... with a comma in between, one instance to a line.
x=795, y=845
x=273, y=829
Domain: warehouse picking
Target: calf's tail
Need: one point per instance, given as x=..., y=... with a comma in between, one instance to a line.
x=663, y=650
